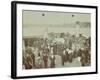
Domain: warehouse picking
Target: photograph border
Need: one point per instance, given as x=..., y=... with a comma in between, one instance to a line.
x=14, y=38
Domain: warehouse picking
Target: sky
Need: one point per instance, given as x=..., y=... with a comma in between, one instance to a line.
x=41, y=18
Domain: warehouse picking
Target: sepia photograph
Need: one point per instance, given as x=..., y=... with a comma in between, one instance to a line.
x=56, y=39
x=53, y=39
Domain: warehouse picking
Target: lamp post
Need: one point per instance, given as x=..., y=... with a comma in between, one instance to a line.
x=46, y=30
x=77, y=27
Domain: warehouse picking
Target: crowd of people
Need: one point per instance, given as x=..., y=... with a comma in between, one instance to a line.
x=42, y=52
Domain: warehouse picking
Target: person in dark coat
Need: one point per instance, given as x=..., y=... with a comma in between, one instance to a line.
x=28, y=61
x=55, y=48
x=45, y=59
x=52, y=61
x=70, y=53
x=66, y=56
x=39, y=61
x=33, y=59
x=83, y=60
x=63, y=57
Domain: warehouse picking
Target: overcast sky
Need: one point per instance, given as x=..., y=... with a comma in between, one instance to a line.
x=41, y=18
